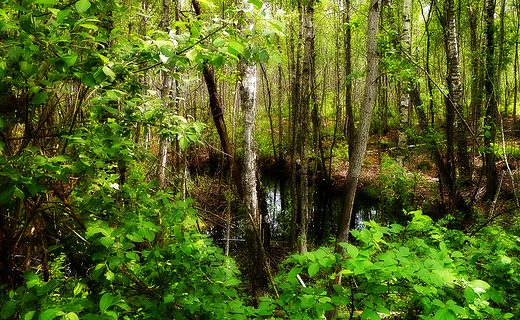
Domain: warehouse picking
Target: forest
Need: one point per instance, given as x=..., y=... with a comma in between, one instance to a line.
x=290, y=159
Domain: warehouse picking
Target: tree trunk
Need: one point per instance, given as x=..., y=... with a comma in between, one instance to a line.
x=476, y=84
x=256, y=229
x=490, y=121
x=349, y=110
x=164, y=24
x=370, y=95
x=454, y=103
x=404, y=107
x=295, y=136
x=356, y=158
x=305, y=104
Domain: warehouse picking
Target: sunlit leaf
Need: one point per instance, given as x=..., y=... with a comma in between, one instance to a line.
x=82, y=5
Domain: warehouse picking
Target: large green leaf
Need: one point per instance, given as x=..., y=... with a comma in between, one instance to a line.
x=106, y=301
x=238, y=47
x=82, y=5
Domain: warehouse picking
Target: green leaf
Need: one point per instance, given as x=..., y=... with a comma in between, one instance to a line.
x=351, y=250
x=479, y=285
x=72, y=316
x=26, y=22
x=183, y=143
x=19, y=193
x=40, y=98
x=313, y=269
x=370, y=314
x=107, y=242
x=89, y=26
x=88, y=80
x=218, y=61
x=107, y=300
x=82, y=5
x=219, y=42
x=505, y=260
x=7, y=195
x=109, y=73
x=46, y=2
x=29, y=315
x=27, y=69
x=258, y=4
x=9, y=308
x=192, y=54
x=264, y=56
x=50, y=314
x=237, y=47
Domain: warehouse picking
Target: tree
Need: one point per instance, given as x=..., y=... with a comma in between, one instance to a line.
x=404, y=106
x=254, y=231
x=491, y=105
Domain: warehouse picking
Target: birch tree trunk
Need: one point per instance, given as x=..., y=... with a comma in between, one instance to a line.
x=404, y=106
x=254, y=233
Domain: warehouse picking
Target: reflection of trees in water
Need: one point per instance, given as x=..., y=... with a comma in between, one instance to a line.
x=327, y=202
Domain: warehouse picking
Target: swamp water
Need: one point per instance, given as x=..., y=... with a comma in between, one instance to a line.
x=326, y=204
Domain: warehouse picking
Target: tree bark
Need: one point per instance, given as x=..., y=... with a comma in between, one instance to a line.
x=307, y=73
x=491, y=119
x=256, y=228
x=404, y=107
x=369, y=97
x=164, y=24
x=359, y=148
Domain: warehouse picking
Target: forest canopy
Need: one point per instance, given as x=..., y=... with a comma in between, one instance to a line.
x=141, y=141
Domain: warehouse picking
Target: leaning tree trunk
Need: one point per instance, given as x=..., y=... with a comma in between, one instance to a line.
x=356, y=158
x=369, y=97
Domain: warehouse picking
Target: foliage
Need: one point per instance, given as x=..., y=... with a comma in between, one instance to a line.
x=397, y=188
x=421, y=270
x=135, y=276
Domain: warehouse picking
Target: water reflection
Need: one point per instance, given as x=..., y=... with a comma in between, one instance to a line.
x=324, y=214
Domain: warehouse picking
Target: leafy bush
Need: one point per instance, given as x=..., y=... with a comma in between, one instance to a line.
x=420, y=270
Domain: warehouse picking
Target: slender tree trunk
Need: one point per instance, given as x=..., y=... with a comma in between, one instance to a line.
x=166, y=87
x=515, y=72
x=491, y=119
x=254, y=231
x=218, y=117
x=295, y=136
x=454, y=103
x=405, y=95
x=476, y=84
x=349, y=109
x=305, y=105
x=367, y=107
x=356, y=158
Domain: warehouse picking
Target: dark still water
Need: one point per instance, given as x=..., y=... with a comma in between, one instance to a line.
x=326, y=204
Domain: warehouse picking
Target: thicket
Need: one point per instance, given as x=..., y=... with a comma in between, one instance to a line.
x=86, y=233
